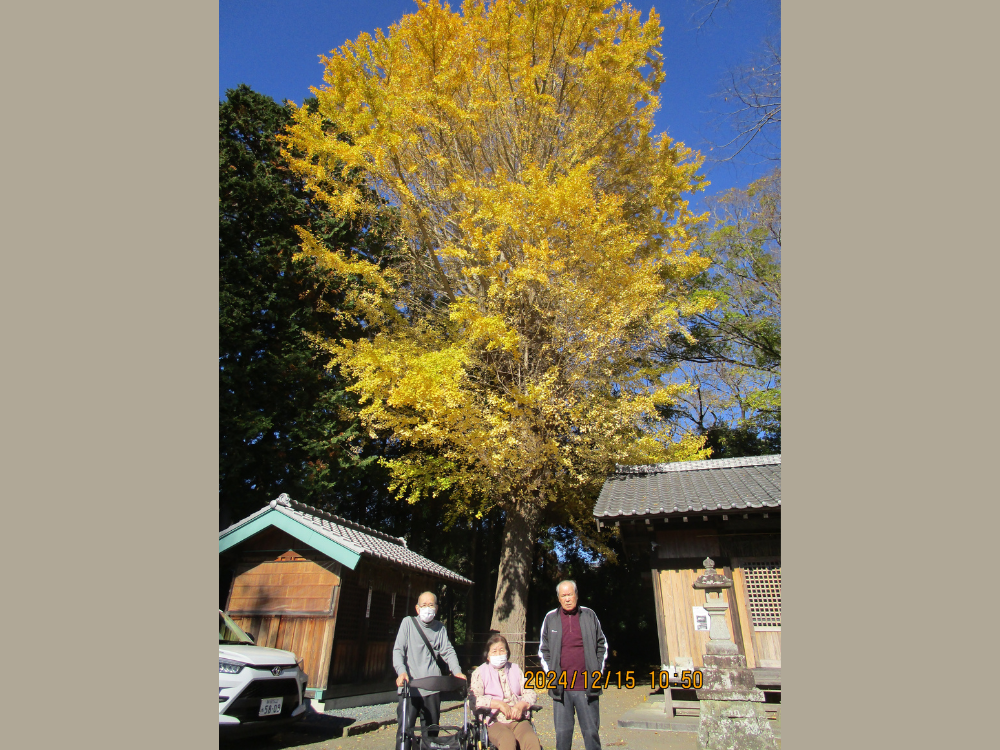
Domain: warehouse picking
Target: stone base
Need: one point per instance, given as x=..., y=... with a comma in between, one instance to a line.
x=651, y=717
x=723, y=648
x=734, y=725
x=751, y=696
x=726, y=678
x=725, y=660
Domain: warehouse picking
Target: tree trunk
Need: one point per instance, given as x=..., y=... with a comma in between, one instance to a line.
x=516, y=555
x=471, y=608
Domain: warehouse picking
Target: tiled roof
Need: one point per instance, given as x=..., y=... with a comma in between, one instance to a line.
x=356, y=537
x=710, y=486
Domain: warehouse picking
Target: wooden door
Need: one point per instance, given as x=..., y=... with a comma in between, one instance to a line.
x=757, y=582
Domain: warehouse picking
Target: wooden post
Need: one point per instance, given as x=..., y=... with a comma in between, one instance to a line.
x=668, y=700
x=734, y=610
x=661, y=634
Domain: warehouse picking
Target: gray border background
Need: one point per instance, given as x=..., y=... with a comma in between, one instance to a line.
x=110, y=419
x=887, y=382
x=109, y=289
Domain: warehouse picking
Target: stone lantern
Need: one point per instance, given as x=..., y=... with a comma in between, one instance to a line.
x=713, y=583
x=731, y=705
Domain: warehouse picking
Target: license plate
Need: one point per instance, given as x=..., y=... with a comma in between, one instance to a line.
x=270, y=706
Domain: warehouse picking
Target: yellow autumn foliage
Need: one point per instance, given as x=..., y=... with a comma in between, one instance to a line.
x=547, y=244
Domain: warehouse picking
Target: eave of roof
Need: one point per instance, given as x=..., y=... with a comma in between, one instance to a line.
x=319, y=530
x=338, y=549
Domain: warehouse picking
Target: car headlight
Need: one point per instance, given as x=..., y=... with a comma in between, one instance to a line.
x=230, y=667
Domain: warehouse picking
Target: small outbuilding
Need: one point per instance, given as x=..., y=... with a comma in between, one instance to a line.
x=678, y=514
x=330, y=590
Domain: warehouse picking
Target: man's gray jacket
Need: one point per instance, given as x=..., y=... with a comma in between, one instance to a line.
x=595, y=647
x=410, y=654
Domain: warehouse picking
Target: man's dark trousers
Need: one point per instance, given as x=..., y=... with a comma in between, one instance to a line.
x=429, y=708
x=588, y=713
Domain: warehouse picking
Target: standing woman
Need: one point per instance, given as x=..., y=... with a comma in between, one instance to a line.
x=499, y=686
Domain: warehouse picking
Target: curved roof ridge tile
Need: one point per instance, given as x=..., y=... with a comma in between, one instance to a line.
x=704, y=464
x=354, y=536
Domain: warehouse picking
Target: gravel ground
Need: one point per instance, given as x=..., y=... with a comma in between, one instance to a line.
x=378, y=712
x=328, y=731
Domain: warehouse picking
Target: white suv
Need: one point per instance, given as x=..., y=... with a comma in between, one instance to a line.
x=260, y=688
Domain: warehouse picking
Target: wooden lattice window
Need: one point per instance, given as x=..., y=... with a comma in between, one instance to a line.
x=763, y=583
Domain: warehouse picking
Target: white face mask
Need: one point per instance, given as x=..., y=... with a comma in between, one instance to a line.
x=498, y=661
x=427, y=614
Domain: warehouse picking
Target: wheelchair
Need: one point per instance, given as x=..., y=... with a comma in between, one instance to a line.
x=471, y=735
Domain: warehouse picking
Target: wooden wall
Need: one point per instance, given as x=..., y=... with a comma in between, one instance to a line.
x=290, y=584
x=687, y=543
x=308, y=637
x=677, y=599
x=287, y=600
x=677, y=560
x=366, y=631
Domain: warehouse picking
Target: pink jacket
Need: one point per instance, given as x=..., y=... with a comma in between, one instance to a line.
x=485, y=684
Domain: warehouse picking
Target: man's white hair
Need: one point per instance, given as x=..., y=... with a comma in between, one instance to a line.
x=575, y=589
x=432, y=594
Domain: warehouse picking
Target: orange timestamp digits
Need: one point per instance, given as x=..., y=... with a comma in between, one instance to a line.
x=541, y=680
x=688, y=679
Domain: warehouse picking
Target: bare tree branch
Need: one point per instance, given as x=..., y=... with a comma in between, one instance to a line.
x=704, y=10
x=753, y=96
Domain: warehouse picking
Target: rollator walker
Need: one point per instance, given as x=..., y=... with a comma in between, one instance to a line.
x=472, y=735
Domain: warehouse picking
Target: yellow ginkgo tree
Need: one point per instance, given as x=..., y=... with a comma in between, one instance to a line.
x=547, y=247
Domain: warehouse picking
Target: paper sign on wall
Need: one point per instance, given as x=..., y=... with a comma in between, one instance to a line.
x=701, y=619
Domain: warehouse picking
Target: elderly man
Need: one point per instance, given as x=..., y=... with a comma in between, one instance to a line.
x=419, y=643
x=572, y=642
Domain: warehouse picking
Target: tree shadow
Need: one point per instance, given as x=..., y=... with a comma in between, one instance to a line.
x=315, y=727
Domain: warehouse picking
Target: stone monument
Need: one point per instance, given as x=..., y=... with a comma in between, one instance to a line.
x=731, y=704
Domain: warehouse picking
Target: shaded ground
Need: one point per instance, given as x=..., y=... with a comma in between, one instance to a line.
x=329, y=732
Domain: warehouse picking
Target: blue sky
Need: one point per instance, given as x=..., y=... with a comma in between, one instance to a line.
x=274, y=47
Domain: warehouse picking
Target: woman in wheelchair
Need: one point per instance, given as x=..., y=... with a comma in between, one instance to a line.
x=502, y=700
